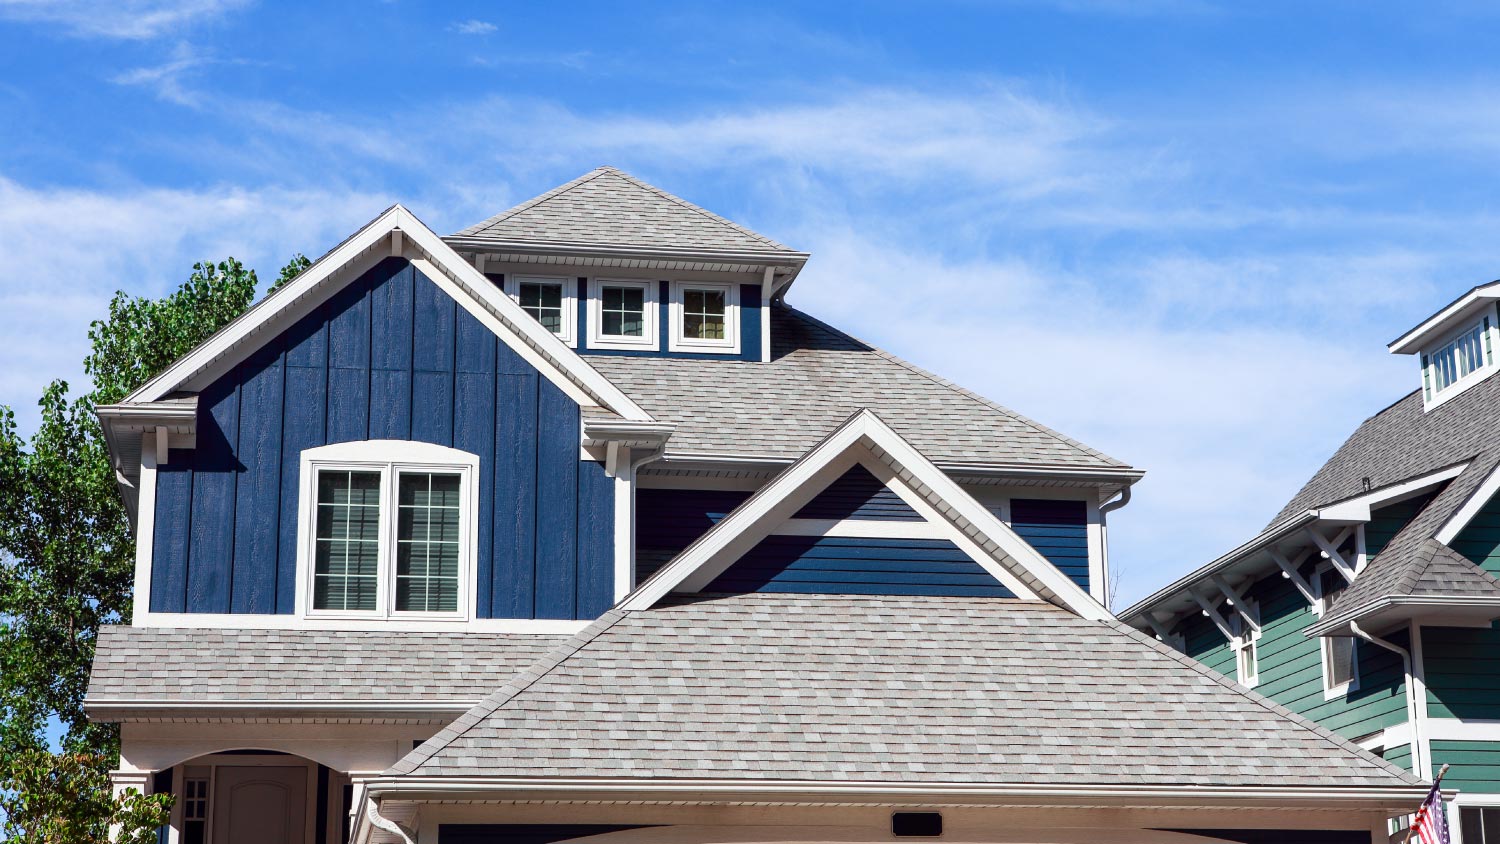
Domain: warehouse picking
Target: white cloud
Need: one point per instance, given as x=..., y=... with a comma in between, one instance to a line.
x=131, y=20
x=474, y=27
x=67, y=251
x=166, y=79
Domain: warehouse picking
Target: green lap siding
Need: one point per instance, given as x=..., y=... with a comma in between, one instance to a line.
x=1291, y=665
x=1475, y=764
x=1400, y=756
x=1463, y=672
x=1480, y=538
x=1386, y=522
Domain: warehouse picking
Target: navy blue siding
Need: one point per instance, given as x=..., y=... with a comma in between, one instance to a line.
x=858, y=566
x=390, y=356
x=858, y=495
x=750, y=320
x=668, y=520
x=1058, y=530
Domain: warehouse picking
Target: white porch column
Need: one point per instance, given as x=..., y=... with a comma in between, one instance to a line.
x=122, y=781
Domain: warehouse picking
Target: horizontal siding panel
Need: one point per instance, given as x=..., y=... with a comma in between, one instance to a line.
x=858, y=495
x=668, y=520
x=1058, y=530
x=846, y=565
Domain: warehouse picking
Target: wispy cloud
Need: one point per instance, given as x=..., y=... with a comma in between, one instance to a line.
x=474, y=27
x=130, y=20
x=166, y=80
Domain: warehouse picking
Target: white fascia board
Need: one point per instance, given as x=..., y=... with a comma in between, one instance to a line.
x=366, y=243
x=718, y=548
x=1461, y=308
x=1470, y=508
x=845, y=792
x=1357, y=509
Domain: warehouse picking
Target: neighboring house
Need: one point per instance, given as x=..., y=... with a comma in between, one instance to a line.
x=1367, y=604
x=568, y=526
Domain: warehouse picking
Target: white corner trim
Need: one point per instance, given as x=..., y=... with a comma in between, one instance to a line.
x=388, y=458
x=934, y=495
x=1471, y=507
x=765, y=314
x=145, y=531
x=624, y=535
x=569, y=284
x=676, y=314
x=650, y=339
x=368, y=246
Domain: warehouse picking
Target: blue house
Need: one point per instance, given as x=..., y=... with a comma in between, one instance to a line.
x=569, y=526
x=1369, y=602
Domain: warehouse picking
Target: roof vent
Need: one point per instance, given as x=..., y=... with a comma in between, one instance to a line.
x=917, y=824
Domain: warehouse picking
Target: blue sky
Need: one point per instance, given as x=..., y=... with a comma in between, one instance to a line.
x=1180, y=231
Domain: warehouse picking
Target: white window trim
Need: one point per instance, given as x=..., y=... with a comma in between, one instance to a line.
x=569, y=333
x=650, y=342
x=679, y=342
x=1325, y=643
x=388, y=457
x=1245, y=640
x=1487, y=349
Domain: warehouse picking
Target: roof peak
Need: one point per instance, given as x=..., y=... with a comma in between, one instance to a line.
x=607, y=206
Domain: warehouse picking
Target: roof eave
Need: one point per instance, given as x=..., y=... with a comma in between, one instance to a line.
x=844, y=792
x=1389, y=611
x=1475, y=299
x=747, y=257
x=771, y=463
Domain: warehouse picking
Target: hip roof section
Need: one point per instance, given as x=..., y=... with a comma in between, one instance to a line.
x=816, y=378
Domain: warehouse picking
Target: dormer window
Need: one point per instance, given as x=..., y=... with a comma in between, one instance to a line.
x=705, y=317
x=622, y=315
x=550, y=300
x=1457, y=361
x=388, y=530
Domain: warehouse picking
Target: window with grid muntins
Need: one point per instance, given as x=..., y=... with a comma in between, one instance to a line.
x=622, y=312
x=703, y=314
x=544, y=302
x=346, y=570
x=427, y=542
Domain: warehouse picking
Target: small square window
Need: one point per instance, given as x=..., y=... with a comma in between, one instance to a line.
x=549, y=300
x=622, y=315
x=705, y=317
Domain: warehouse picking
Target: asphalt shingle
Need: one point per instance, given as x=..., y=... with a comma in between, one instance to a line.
x=772, y=686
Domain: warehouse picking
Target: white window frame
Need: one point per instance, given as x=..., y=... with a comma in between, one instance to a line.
x=650, y=342
x=1246, y=641
x=569, y=333
x=388, y=458
x=1431, y=395
x=678, y=341
x=1325, y=643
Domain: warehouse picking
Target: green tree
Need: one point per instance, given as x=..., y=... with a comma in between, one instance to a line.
x=67, y=558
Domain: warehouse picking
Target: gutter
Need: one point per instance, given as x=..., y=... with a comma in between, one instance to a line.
x=775, y=463
x=1336, y=621
x=719, y=791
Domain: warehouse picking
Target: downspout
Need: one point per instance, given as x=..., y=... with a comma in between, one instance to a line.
x=379, y=821
x=1104, y=510
x=1418, y=763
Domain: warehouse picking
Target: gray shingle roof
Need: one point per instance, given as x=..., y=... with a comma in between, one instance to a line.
x=913, y=690
x=817, y=377
x=606, y=207
x=1403, y=442
x=228, y=666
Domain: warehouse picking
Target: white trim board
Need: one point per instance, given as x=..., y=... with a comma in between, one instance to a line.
x=396, y=231
x=866, y=440
x=1470, y=508
x=287, y=621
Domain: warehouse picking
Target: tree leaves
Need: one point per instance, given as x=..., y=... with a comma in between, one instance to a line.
x=67, y=557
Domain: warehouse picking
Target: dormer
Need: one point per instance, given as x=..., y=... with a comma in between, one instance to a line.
x=614, y=266
x=1456, y=346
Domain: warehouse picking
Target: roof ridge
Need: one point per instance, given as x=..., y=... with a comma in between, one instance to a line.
x=1271, y=705
x=694, y=207
x=536, y=200
x=961, y=390
x=424, y=752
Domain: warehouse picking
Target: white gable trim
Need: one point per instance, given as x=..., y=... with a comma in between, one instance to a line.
x=1471, y=507
x=396, y=231
x=865, y=439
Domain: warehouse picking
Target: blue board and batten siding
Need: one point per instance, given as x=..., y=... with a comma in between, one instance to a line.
x=391, y=356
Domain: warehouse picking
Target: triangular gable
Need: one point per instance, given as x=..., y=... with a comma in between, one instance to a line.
x=395, y=232
x=865, y=441
x=608, y=207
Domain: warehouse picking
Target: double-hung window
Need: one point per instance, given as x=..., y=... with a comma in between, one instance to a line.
x=1457, y=362
x=389, y=530
x=1340, y=654
x=705, y=317
x=622, y=314
x=550, y=300
x=1246, y=655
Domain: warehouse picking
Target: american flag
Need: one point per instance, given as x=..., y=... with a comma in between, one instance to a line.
x=1431, y=822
